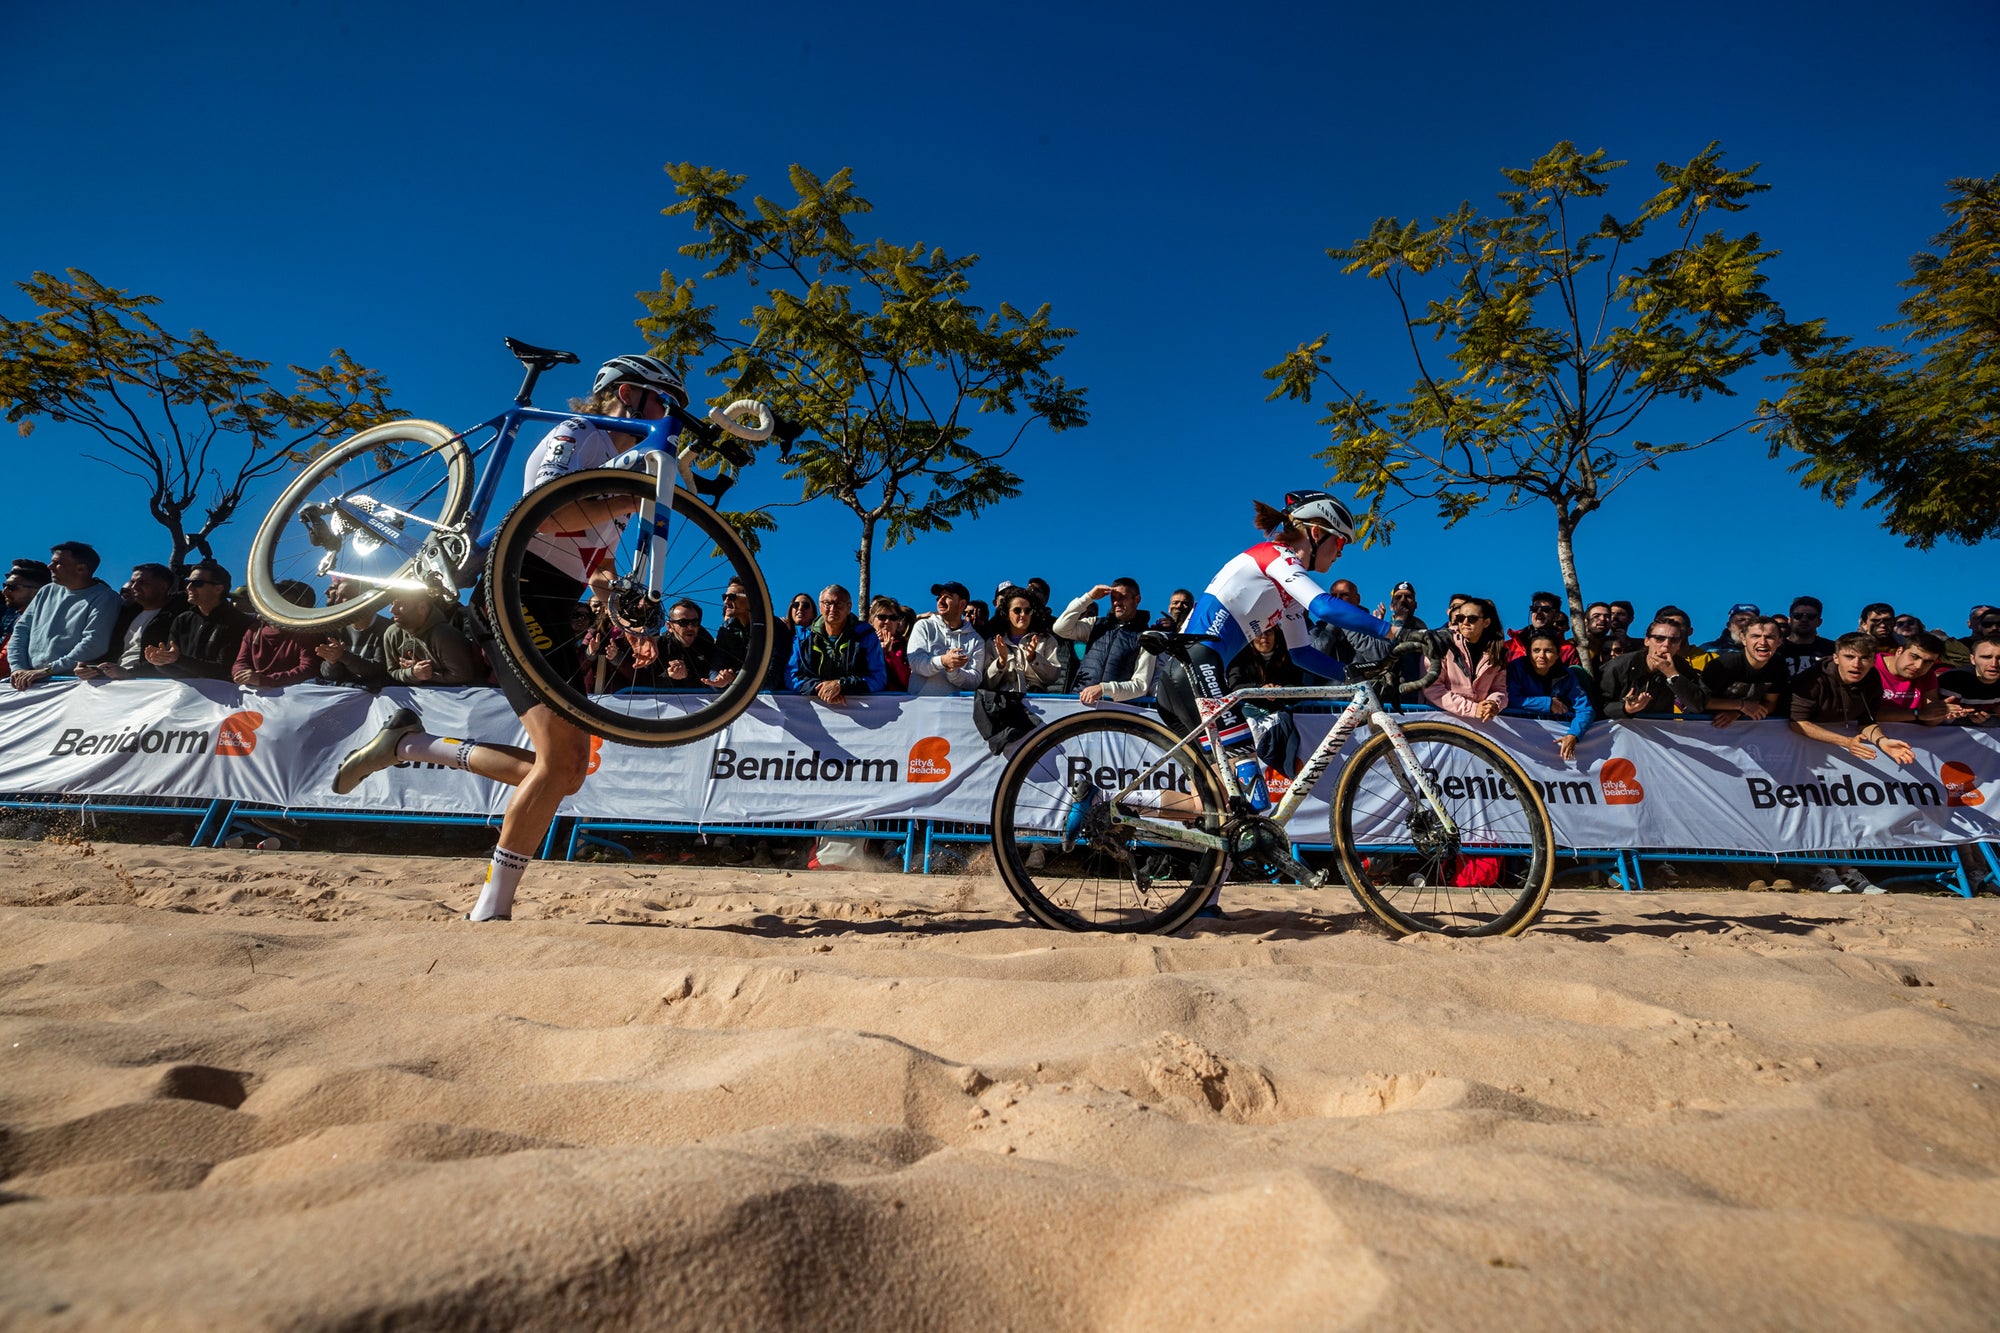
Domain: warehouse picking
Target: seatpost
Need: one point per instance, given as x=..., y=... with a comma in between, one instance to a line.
x=528, y=384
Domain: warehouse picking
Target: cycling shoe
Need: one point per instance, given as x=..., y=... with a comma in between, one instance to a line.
x=1082, y=796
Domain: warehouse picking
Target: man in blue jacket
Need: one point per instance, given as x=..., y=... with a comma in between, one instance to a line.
x=69, y=621
x=837, y=655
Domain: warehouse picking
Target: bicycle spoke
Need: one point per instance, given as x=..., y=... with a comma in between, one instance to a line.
x=1126, y=873
x=1485, y=871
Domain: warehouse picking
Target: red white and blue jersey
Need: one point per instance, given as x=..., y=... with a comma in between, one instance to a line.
x=1267, y=588
x=572, y=446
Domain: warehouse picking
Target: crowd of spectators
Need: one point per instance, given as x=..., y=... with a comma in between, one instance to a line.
x=58, y=617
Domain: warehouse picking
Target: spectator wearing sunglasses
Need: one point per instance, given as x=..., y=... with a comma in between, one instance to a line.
x=201, y=642
x=733, y=636
x=69, y=619
x=1804, y=647
x=1544, y=612
x=1472, y=680
x=1983, y=620
x=24, y=580
x=687, y=650
x=1018, y=656
x=1878, y=622
x=885, y=617
x=1656, y=679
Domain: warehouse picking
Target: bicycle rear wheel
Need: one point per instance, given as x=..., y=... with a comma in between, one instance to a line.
x=703, y=555
x=408, y=478
x=1115, y=877
x=1489, y=878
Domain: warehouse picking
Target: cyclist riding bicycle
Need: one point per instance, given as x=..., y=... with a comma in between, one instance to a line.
x=1269, y=587
x=556, y=572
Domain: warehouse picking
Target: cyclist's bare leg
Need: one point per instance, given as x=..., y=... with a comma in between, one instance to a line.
x=555, y=769
x=502, y=763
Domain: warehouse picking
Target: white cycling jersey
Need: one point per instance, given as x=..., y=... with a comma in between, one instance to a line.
x=573, y=446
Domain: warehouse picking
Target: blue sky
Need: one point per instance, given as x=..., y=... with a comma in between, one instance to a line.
x=413, y=182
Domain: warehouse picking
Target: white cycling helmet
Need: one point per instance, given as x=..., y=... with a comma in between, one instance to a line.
x=1320, y=510
x=649, y=371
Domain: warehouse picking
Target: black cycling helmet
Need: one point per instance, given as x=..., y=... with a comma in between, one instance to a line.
x=649, y=371
x=1321, y=510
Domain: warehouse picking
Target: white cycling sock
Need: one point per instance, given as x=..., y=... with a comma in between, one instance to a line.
x=423, y=748
x=502, y=877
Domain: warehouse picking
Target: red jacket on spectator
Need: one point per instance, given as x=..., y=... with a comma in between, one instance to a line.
x=896, y=661
x=278, y=657
x=1517, y=646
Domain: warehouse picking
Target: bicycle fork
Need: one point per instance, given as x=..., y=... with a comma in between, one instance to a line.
x=654, y=517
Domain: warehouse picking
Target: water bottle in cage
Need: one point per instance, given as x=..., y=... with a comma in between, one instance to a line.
x=1250, y=776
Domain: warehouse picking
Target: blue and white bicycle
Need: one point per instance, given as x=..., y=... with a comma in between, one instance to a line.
x=400, y=507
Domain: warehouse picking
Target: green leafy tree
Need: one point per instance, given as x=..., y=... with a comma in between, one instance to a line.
x=869, y=349
x=1541, y=337
x=1920, y=428
x=194, y=423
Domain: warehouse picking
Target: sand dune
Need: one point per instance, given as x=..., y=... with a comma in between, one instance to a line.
x=289, y=1089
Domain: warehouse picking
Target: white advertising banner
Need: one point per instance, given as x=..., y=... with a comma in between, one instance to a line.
x=1748, y=787
x=1752, y=787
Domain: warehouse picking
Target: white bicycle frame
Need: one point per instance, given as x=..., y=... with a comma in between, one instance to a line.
x=1364, y=705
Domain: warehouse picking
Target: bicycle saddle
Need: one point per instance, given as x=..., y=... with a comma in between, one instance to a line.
x=1166, y=642
x=531, y=355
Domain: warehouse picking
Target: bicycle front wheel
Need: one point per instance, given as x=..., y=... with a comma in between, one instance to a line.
x=356, y=514
x=1113, y=876
x=703, y=555
x=1488, y=876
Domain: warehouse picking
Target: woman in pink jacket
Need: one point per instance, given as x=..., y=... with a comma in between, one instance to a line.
x=1473, y=682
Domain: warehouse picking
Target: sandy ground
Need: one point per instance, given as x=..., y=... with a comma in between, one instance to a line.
x=293, y=1090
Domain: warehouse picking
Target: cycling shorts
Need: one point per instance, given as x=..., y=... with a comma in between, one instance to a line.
x=548, y=598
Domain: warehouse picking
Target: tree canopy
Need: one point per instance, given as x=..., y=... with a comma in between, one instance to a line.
x=1542, y=336
x=1918, y=426
x=195, y=424
x=871, y=349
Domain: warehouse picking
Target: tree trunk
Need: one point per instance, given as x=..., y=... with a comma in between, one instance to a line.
x=1566, y=560
x=864, y=561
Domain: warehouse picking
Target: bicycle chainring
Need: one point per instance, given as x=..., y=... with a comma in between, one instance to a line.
x=1256, y=847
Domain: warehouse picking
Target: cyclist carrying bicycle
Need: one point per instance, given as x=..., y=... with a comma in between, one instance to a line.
x=558, y=569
